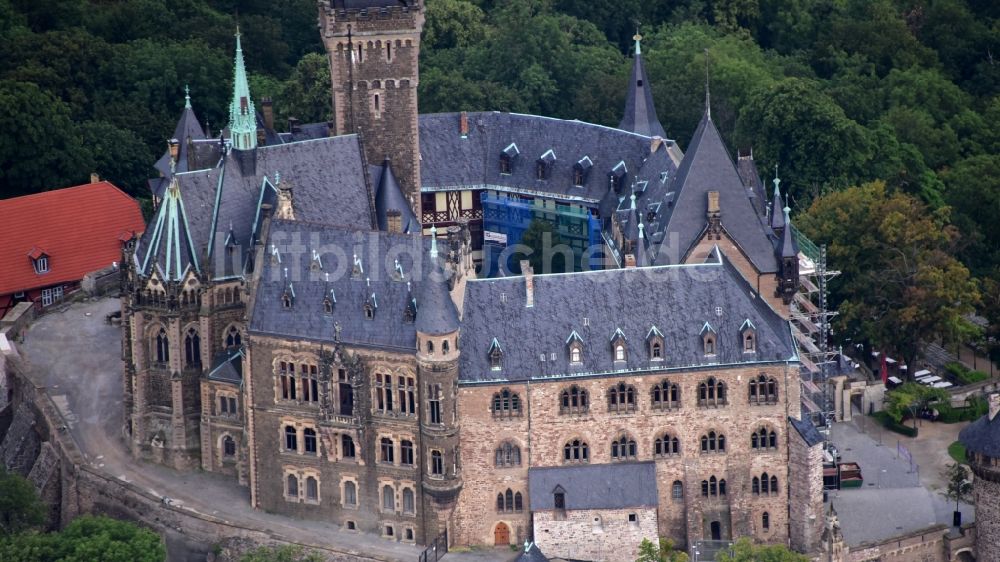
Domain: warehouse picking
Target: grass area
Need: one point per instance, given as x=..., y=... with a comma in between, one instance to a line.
x=957, y=451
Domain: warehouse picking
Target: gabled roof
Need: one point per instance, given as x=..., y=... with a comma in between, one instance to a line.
x=389, y=197
x=227, y=366
x=596, y=486
x=807, y=431
x=982, y=436
x=170, y=249
x=678, y=300
x=707, y=167
x=79, y=228
x=640, y=113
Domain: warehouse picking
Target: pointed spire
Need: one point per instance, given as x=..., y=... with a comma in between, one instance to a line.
x=187, y=97
x=708, y=94
x=777, y=218
x=389, y=201
x=632, y=203
x=640, y=114
x=789, y=248
x=242, y=116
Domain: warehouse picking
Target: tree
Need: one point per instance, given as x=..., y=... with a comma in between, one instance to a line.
x=286, y=553
x=745, y=551
x=912, y=398
x=87, y=539
x=901, y=285
x=959, y=485
x=545, y=249
x=20, y=508
x=662, y=551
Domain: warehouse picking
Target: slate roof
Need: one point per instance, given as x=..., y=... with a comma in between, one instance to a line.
x=806, y=430
x=640, y=113
x=227, y=366
x=707, y=166
x=982, y=436
x=747, y=168
x=451, y=161
x=376, y=283
x=531, y=553
x=329, y=185
x=678, y=300
x=389, y=197
x=594, y=486
x=436, y=312
x=80, y=228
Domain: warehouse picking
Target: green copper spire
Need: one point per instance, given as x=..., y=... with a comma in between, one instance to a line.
x=242, y=117
x=638, y=39
x=187, y=97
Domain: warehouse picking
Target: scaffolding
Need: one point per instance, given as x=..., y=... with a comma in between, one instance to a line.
x=810, y=321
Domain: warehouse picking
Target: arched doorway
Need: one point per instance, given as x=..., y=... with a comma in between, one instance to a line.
x=716, y=531
x=501, y=535
x=965, y=556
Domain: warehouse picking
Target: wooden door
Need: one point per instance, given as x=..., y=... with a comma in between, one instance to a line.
x=501, y=535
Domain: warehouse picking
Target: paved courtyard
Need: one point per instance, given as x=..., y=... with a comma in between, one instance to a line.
x=897, y=497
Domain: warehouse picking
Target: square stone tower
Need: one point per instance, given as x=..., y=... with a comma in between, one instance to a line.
x=374, y=46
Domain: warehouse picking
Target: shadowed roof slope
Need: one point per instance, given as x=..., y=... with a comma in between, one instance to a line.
x=982, y=436
x=640, y=113
x=597, y=486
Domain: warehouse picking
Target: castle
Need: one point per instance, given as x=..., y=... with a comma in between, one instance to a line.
x=304, y=314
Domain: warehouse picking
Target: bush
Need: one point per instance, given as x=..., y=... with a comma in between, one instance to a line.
x=891, y=424
x=963, y=375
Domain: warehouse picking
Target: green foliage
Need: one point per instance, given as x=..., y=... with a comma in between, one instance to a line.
x=745, y=551
x=959, y=483
x=957, y=451
x=286, y=553
x=965, y=375
x=20, y=508
x=911, y=398
x=87, y=539
x=661, y=551
x=892, y=425
x=545, y=249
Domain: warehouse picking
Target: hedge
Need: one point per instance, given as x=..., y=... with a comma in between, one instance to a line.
x=892, y=425
x=963, y=375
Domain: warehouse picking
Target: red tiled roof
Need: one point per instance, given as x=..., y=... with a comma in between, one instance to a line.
x=79, y=228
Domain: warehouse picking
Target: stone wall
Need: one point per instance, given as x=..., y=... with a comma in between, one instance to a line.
x=986, y=494
x=595, y=534
x=805, y=481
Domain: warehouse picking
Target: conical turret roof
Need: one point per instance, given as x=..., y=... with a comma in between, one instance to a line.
x=640, y=113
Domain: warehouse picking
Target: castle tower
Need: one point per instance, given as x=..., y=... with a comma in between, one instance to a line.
x=437, y=359
x=373, y=53
x=788, y=261
x=982, y=445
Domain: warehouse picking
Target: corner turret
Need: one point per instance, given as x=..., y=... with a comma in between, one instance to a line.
x=788, y=260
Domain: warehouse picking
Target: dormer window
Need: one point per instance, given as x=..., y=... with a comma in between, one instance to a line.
x=655, y=341
x=574, y=345
x=618, y=346
x=369, y=312
x=327, y=306
x=577, y=177
x=543, y=168
x=748, y=337
x=708, y=339
x=540, y=170
x=288, y=297
x=616, y=177
x=507, y=158
x=42, y=265
x=286, y=301
x=619, y=352
x=576, y=355
x=496, y=356
x=504, y=164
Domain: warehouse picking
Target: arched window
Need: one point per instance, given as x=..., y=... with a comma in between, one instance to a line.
x=518, y=502
x=621, y=398
x=350, y=493
x=409, y=501
x=666, y=396
x=430, y=347
x=709, y=341
x=656, y=350
x=774, y=484
x=162, y=346
x=712, y=392
x=713, y=442
x=292, y=486
x=765, y=521
x=233, y=338
x=228, y=447
x=623, y=448
x=327, y=306
x=388, y=498
x=347, y=446
x=619, y=352
x=437, y=463
x=576, y=451
x=506, y=404
x=763, y=438
x=192, y=348
x=677, y=490
x=312, y=488
x=309, y=439
x=406, y=452
x=573, y=400
x=444, y=347
x=576, y=355
x=667, y=445
x=763, y=390
x=508, y=454
x=291, y=438
x=496, y=358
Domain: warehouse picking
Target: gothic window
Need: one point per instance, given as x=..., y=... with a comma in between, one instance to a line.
x=437, y=463
x=162, y=347
x=369, y=312
x=192, y=348
x=496, y=358
x=755, y=486
x=713, y=442
x=291, y=438
x=764, y=438
x=228, y=447
x=350, y=493
x=774, y=484
x=388, y=498
x=677, y=490
x=708, y=340
x=713, y=487
x=577, y=176
x=409, y=501
x=576, y=451
x=748, y=342
x=667, y=445
x=233, y=338
x=383, y=392
x=656, y=350
x=763, y=390
x=309, y=439
x=386, y=450
x=310, y=383
x=507, y=454
x=559, y=498
x=444, y=347
x=765, y=521
x=574, y=400
x=286, y=376
x=509, y=502
x=312, y=488
x=576, y=355
x=518, y=502
x=347, y=446
x=506, y=404
x=621, y=398
x=619, y=352
x=406, y=453
x=666, y=396
x=434, y=403
x=712, y=392
x=408, y=396
x=623, y=448
x=292, y=486
x=430, y=347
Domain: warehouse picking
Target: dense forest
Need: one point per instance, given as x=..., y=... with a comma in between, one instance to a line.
x=837, y=93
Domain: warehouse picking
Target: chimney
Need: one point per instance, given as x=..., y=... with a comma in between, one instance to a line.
x=713, y=202
x=293, y=125
x=267, y=109
x=994, y=405
x=94, y=178
x=463, y=124
x=284, y=208
x=629, y=261
x=174, y=146
x=529, y=283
